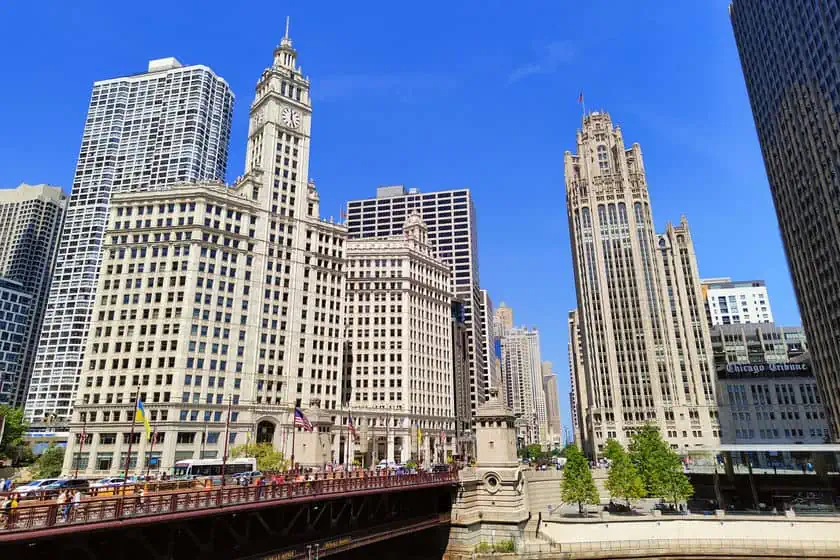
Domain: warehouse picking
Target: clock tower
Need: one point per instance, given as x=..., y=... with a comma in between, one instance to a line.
x=279, y=133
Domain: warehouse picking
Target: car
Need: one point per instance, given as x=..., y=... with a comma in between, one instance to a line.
x=386, y=464
x=108, y=482
x=68, y=484
x=31, y=488
x=440, y=468
x=247, y=474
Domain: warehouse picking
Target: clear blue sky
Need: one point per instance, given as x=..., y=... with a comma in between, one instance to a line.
x=440, y=95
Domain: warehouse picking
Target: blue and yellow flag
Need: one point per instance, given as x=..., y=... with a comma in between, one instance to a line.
x=141, y=415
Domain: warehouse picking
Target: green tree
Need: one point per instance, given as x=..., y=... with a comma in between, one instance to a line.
x=577, y=486
x=12, y=445
x=659, y=465
x=532, y=452
x=268, y=458
x=623, y=480
x=49, y=463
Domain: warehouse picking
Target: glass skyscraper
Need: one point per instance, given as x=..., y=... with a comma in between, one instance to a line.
x=789, y=51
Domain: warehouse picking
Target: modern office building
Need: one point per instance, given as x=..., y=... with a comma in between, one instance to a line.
x=788, y=51
x=15, y=312
x=461, y=381
x=493, y=376
x=220, y=302
x=168, y=125
x=451, y=219
x=757, y=344
x=578, y=401
x=522, y=370
x=645, y=342
x=30, y=226
x=732, y=303
x=398, y=370
x=554, y=424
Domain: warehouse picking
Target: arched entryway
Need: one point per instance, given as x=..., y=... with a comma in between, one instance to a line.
x=265, y=432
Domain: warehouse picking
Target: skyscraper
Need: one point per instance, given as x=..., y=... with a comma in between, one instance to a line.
x=450, y=216
x=168, y=125
x=522, y=370
x=788, y=51
x=552, y=405
x=217, y=298
x=30, y=225
x=492, y=377
x=577, y=401
x=645, y=342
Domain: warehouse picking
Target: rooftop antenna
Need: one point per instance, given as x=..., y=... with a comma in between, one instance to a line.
x=286, y=36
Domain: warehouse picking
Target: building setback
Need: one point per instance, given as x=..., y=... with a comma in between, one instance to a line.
x=214, y=298
x=645, y=342
x=168, y=125
x=788, y=51
x=30, y=225
x=398, y=371
x=451, y=219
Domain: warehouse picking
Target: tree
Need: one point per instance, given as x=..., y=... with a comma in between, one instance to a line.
x=532, y=452
x=659, y=465
x=623, y=480
x=12, y=445
x=49, y=463
x=578, y=486
x=268, y=458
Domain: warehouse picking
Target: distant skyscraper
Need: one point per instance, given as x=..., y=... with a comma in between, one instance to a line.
x=646, y=350
x=502, y=320
x=789, y=52
x=731, y=303
x=577, y=400
x=450, y=216
x=493, y=377
x=168, y=125
x=15, y=311
x=522, y=370
x=30, y=225
x=552, y=405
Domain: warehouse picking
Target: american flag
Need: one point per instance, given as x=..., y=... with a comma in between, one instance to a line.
x=351, y=427
x=301, y=420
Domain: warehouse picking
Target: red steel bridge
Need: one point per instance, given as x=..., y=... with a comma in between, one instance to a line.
x=294, y=520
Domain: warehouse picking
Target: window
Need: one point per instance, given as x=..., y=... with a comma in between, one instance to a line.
x=186, y=437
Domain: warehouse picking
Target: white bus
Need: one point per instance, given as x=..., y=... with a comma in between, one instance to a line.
x=194, y=468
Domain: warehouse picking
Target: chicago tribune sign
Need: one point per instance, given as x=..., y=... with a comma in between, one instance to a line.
x=735, y=371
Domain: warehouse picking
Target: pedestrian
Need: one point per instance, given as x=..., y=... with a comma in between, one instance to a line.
x=63, y=505
x=7, y=485
x=73, y=503
x=6, y=508
x=143, y=499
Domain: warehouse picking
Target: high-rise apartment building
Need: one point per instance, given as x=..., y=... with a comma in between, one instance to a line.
x=554, y=424
x=645, y=342
x=732, y=303
x=217, y=298
x=578, y=400
x=15, y=312
x=788, y=51
x=168, y=125
x=398, y=364
x=451, y=219
x=30, y=226
x=522, y=370
x=492, y=377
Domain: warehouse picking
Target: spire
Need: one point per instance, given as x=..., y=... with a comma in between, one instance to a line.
x=286, y=42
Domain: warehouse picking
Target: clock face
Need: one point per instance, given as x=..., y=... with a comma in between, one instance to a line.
x=290, y=117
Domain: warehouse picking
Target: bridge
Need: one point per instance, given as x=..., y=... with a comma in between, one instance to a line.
x=293, y=520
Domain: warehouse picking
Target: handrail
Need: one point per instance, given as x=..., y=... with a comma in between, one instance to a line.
x=36, y=517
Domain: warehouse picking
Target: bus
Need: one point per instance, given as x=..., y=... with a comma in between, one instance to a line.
x=194, y=468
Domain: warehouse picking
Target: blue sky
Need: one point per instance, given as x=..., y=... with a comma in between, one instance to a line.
x=440, y=95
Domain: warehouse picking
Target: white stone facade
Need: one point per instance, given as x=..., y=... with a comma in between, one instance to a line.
x=645, y=342
x=165, y=126
x=522, y=369
x=219, y=302
x=493, y=378
x=398, y=380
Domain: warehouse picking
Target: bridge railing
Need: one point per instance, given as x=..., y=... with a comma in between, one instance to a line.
x=101, y=510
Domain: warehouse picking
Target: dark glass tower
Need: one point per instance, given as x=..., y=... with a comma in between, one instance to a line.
x=789, y=52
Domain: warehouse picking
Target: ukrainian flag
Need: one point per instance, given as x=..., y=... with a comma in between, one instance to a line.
x=140, y=415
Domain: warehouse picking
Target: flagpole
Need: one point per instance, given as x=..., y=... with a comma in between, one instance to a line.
x=294, y=432
x=130, y=439
x=151, y=449
x=227, y=439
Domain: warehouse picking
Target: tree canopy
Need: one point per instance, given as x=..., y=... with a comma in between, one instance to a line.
x=268, y=458
x=658, y=465
x=12, y=445
x=49, y=462
x=578, y=486
x=623, y=480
